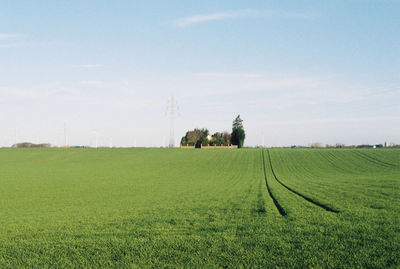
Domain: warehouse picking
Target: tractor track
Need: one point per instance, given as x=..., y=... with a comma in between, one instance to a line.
x=278, y=206
x=327, y=208
x=372, y=159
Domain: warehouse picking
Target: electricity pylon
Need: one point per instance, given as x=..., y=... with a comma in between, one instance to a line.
x=65, y=135
x=172, y=108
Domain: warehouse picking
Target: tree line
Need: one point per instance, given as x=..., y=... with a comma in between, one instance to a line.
x=202, y=137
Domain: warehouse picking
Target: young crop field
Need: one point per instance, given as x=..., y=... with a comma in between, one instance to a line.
x=140, y=208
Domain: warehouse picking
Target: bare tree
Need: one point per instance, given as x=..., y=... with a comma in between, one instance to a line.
x=316, y=145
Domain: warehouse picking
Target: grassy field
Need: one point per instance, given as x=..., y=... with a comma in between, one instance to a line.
x=199, y=208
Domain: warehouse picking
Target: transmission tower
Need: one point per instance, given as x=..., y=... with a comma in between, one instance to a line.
x=16, y=136
x=263, y=140
x=172, y=108
x=65, y=135
x=96, y=134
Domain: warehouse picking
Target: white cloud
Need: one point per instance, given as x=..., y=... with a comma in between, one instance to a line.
x=229, y=74
x=334, y=120
x=88, y=66
x=245, y=13
x=217, y=84
x=205, y=18
x=19, y=44
x=36, y=93
x=53, y=92
x=8, y=36
x=92, y=83
x=14, y=45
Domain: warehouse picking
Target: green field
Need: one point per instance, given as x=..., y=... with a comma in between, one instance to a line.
x=199, y=208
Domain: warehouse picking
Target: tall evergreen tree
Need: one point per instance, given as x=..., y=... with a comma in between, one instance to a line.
x=238, y=133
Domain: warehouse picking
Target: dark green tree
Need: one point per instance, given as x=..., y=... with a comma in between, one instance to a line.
x=220, y=139
x=238, y=134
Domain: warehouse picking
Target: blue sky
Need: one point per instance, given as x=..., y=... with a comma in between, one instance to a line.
x=296, y=71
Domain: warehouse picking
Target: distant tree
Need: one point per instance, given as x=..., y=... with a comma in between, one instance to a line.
x=340, y=145
x=220, y=139
x=215, y=141
x=196, y=138
x=238, y=134
x=316, y=145
x=227, y=138
x=184, y=141
x=204, y=141
x=394, y=145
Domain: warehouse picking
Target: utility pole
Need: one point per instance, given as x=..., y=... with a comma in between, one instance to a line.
x=65, y=135
x=97, y=139
x=263, y=141
x=16, y=137
x=172, y=109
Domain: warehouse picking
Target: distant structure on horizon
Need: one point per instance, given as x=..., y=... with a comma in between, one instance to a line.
x=65, y=135
x=31, y=145
x=172, y=108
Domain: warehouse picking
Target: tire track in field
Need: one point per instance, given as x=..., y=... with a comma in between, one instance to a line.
x=260, y=203
x=327, y=208
x=278, y=206
x=372, y=159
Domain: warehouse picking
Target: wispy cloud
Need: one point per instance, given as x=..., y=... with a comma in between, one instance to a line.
x=4, y=36
x=229, y=74
x=77, y=91
x=245, y=13
x=206, y=17
x=19, y=40
x=92, y=83
x=88, y=66
x=214, y=84
x=30, y=44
